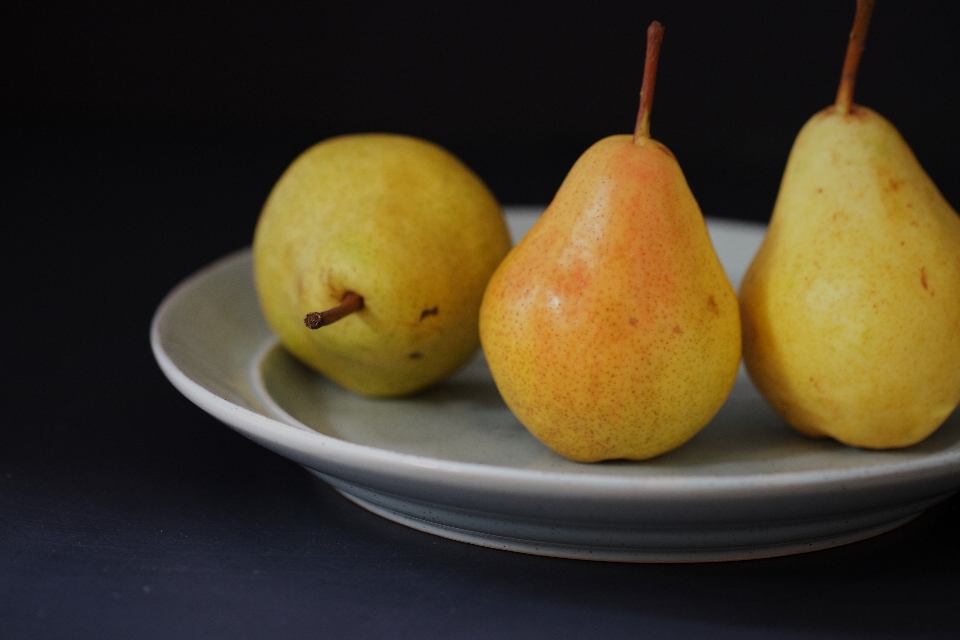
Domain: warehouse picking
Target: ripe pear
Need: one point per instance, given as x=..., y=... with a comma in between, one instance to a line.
x=611, y=329
x=392, y=232
x=851, y=308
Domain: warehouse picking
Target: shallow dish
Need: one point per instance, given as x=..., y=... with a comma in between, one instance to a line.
x=455, y=462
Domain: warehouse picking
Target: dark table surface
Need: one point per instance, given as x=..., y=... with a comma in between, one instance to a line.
x=127, y=512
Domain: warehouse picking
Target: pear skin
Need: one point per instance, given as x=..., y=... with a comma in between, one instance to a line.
x=851, y=308
x=403, y=224
x=611, y=329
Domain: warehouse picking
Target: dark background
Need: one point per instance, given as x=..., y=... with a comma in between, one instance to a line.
x=518, y=90
x=137, y=143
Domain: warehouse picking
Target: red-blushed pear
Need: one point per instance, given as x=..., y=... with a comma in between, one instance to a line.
x=611, y=329
x=851, y=308
x=393, y=239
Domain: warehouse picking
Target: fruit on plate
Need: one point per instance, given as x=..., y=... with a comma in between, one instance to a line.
x=611, y=329
x=851, y=308
x=393, y=239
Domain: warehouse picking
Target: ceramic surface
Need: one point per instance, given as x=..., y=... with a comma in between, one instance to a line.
x=454, y=461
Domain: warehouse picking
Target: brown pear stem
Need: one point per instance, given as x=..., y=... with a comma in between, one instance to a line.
x=654, y=39
x=858, y=36
x=348, y=304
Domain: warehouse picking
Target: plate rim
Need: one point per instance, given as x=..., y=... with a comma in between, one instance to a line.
x=342, y=453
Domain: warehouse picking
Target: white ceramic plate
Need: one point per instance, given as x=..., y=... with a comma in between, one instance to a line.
x=454, y=461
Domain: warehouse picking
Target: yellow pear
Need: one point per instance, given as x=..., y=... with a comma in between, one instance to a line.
x=611, y=329
x=392, y=237
x=851, y=308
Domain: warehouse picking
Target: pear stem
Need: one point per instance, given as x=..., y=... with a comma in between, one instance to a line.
x=858, y=36
x=654, y=39
x=348, y=304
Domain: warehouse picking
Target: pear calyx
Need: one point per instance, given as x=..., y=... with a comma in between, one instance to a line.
x=348, y=304
x=641, y=131
x=858, y=35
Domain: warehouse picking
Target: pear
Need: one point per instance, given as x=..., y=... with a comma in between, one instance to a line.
x=394, y=239
x=611, y=329
x=851, y=307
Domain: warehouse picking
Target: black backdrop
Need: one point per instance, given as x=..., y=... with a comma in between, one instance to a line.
x=137, y=143
x=516, y=89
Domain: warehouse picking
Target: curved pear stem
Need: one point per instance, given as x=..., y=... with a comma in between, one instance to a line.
x=654, y=39
x=348, y=304
x=851, y=63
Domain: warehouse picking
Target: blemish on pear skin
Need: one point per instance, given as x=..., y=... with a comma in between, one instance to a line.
x=712, y=304
x=335, y=292
x=429, y=312
x=923, y=278
x=633, y=322
x=677, y=329
x=301, y=287
x=416, y=355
